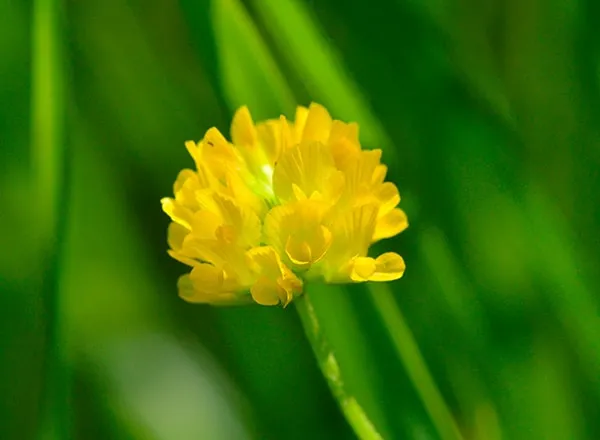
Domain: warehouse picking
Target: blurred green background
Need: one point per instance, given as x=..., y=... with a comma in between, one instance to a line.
x=488, y=112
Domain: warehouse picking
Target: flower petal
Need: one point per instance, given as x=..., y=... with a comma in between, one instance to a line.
x=265, y=292
x=244, y=223
x=308, y=165
x=204, y=224
x=275, y=279
x=318, y=124
x=351, y=237
x=296, y=230
x=177, y=212
x=387, y=194
x=176, y=234
x=243, y=131
x=188, y=293
x=363, y=269
x=344, y=144
x=390, y=224
x=218, y=154
x=389, y=266
x=299, y=123
x=298, y=251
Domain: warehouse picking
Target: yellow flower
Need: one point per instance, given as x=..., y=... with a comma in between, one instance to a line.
x=285, y=201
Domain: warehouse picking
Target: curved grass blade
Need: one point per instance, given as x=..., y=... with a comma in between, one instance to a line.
x=566, y=285
x=49, y=158
x=249, y=74
x=320, y=68
x=411, y=357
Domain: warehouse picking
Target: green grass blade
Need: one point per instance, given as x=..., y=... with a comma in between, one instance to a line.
x=248, y=73
x=48, y=112
x=48, y=157
x=566, y=287
x=411, y=357
x=455, y=292
x=321, y=68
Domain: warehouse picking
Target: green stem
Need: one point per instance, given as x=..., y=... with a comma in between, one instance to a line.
x=330, y=368
x=48, y=158
x=413, y=361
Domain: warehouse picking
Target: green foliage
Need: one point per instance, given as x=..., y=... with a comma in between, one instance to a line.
x=488, y=114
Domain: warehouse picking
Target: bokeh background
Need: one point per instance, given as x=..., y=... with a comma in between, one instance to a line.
x=488, y=112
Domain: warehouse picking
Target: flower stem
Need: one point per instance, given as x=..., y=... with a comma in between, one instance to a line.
x=354, y=413
x=413, y=361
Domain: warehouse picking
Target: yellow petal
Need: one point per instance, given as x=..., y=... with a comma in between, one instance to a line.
x=287, y=136
x=202, y=178
x=244, y=223
x=318, y=124
x=290, y=286
x=307, y=165
x=207, y=278
x=216, y=251
x=379, y=174
x=390, y=224
x=387, y=194
x=239, y=191
x=299, y=123
x=274, y=136
x=189, y=293
x=177, y=212
x=362, y=269
x=320, y=242
x=354, y=229
x=351, y=232
x=388, y=267
x=218, y=154
x=298, y=193
x=184, y=177
x=344, y=144
x=298, y=251
x=243, y=131
x=215, y=141
x=265, y=260
x=204, y=224
x=255, y=143
x=341, y=130
x=175, y=235
x=194, y=151
x=265, y=292
x=274, y=278
x=296, y=231
x=308, y=246
x=205, y=200
x=226, y=234
x=273, y=232
x=334, y=188
x=359, y=177
x=182, y=257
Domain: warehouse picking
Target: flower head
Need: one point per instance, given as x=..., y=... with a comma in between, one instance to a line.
x=282, y=203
